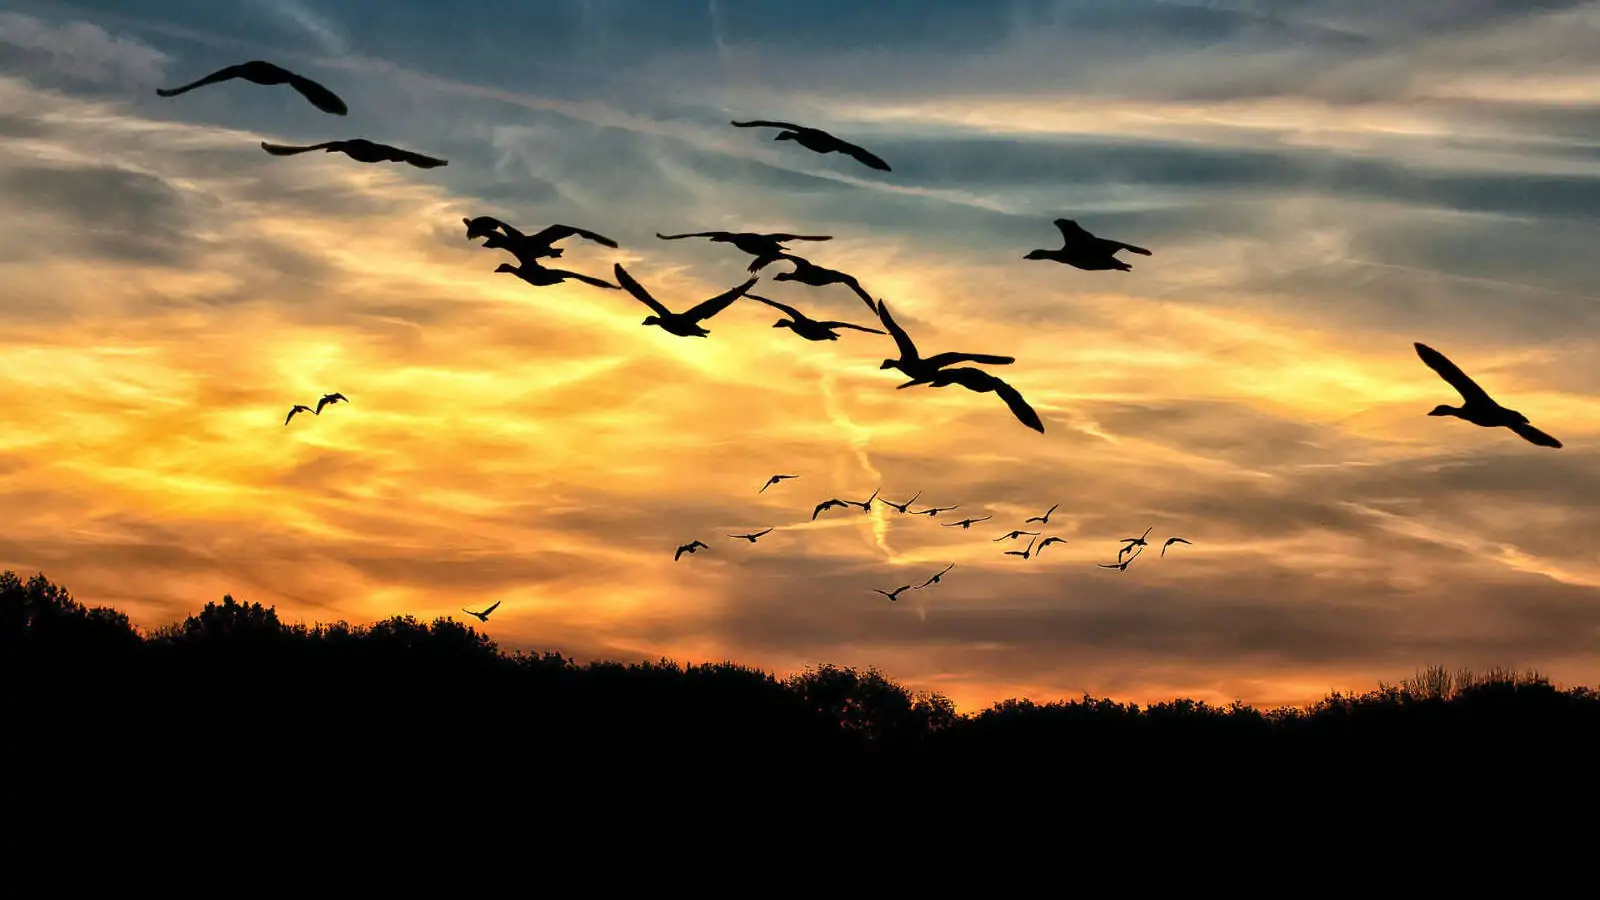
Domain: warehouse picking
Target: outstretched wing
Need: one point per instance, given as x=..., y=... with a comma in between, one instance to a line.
x=321, y=403
x=320, y=97
x=586, y=279
x=421, y=161
x=708, y=308
x=638, y=291
x=765, y=123
x=908, y=350
x=793, y=313
x=940, y=360
x=224, y=74
x=1019, y=406
x=557, y=232
x=1130, y=248
x=848, y=325
x=679, y=554
x=704, y=234
x=760, y=533
x=1071, y=231
x=291, y=150
x=1534, y=435
x=780, y=238
x=492, y=607
x=863, y=156
x=1458, y=379
x=856, y=286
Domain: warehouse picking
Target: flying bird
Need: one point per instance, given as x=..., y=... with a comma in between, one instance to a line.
x=902, y=506
x=1122, y=564
x=1479, y=408
x=894, y=594
x=979, y=381
x=360, y=150
x=967, y=523
x=932, y=511
x=691, y=547
x=935, y=579
x=818, y=141
x=327, y=399
x=1048, y=541
x=541, y=245
x=687, y=323
x=1023, y=553
x=1171, y=541
x=826, y=505
x=539, y=276
x=866, y=505
x=1082, y=250
x=809, y=273
x=806, y=327
x=1011, y=536
x=921, y=370
x=774, y=480
x=298, y=408
x=262, y=72
x=482, y=616
x=484, y=226
x=1140, y=542
x=1044, y=519
x=750, y=537
x=764, y=247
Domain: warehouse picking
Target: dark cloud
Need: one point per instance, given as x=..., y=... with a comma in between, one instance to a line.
x=104, y=211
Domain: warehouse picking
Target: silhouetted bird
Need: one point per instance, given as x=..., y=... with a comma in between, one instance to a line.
x=826, y=505
x=484, y=226
x=894, y=594
x=360, y=150
x=1048, y=541
x=1023, y=553
x=774, y=480
x=750, y=537
x=687, y=323
x=691, y=547
x=330, y=398
x=902, y=506
x=1083, y=250
x=980, y=381
x=539, y=276
x=922, y=370
x=1042, y=520
x=808, y=273
x=764, y=247
x=540, y=245
x=818, y=141
x=1013, y=535
x=1140, y=542
x=932, y=511
x=483, y=616
x=1122, y=564
x=866, y=505
x=1479, y=408
x=261, y=72
x=967, y=523
x=298, y=408
x=935, y=579
x=808, y=328
x=1170, y=542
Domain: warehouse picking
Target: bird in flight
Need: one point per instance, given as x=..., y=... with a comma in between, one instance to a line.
x=1082, y=250
x=1122, y=564
x=1478, y=408
x=484, y=226
x=327, y=399
x=764, y=247
x=866, y=505
x=932, y=511
x=1023, y=553
x=981, y=382
x=360, y=150
x=297, y=408
x=482, y=616
x=541, y=245
x=1013, y=535
x=902, y=506
x=774, y=480
x=750, y=537
x=539, y=276
x=967, y=523
x=894, y=594
x=921, y=370
x=1171, y=541
x=262, y=72
x=691, y=547
x=1042, y=520
x=1129, y=543
x=818, y=141
x=806, y=327
x=1048, y=541
x=687, y=323
x=826, y=505
x=935, y=579
x=808, y=273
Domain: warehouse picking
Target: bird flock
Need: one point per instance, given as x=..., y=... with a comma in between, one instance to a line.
x=1080, y=249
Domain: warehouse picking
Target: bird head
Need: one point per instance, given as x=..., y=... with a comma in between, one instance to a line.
x=651, y=320
x=890, y=364
x=783, y=276
x=1443, y=410
x=1035, y=254
x=505, y=267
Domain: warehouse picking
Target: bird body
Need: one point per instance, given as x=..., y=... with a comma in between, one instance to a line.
x=258, y=71
x=935, y=579
x=967, y=523
x=297, y=408
x=360, y=150
x=1025, y=554
x=818, y=141
x=691, y=547
x=1170, y=542
x=774, y=480
x=327, y=399
x=903, y=506
x=1083, y=250
x=1477, y=406
x=687, y=323
x=894, y=594
x=750, y=537
x=806, y=327
x=1042, y=520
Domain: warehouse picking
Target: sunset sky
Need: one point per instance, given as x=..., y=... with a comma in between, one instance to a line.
x=1323, y=182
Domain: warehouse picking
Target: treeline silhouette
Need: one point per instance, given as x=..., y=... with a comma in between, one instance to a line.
x=233, y=699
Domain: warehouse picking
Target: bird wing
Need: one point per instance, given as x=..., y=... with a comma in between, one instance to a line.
x=420, y=160
x=760, y=533
x=704, y=234
x=780, y=238
x=320, y=97
x=1458, y=379
x=708, y=308
x=291, y=150
x=908, y=350
x=320, y=404
x=863, y=156
x=1019, y=407
x=1534, y=435
x=557, y=232
x=848, y=325
x=940, y=360
x=679, y=555
x=638, y=291
x=764, y=123
x=793, y=313
x=224, y=74
x=492, y=607
x=586, y=279
x=290, y=415
x=1131, y=248
x=1071, y=231
x=856, y=286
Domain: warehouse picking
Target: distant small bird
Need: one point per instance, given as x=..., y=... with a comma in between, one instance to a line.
x=808, y=273
x=894, y=594
x=329, y=398
x=818, y=141
x=1122, y=564
x=902, y=506
x=1042, y=520
x=691, y=547
x=1082, y=250
x=967, y=523
x=539, y=276
x=1048, y=541
x=298, y=408
x=932, y=511
x=1171, y=541
x=1023, y=553
x=764, y=247
x=1479, y=408
x=808, y=328
x=1140, y=542
x=750, y=537
x=261, y=72
x=1013, y=535
x=774, y=480
x=866, y=505
x=686, y=323
x=914, y=366
x=360, y=150
x=935, y=579
x=826, y=505
x=483, y=616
